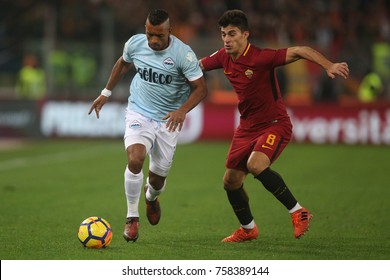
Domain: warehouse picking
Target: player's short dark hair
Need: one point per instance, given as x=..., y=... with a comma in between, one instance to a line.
x=236, y=18
x=158, y=16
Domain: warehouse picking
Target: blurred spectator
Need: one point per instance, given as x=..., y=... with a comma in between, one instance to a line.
x=83, y=68
x=59, y=68
x=381, y=63
x=31, y=82
x=370, y=87
x=342, y=29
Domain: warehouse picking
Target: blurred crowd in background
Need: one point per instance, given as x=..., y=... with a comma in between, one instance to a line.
x=66, y=49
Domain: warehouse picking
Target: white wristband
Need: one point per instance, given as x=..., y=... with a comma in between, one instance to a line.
x=106, y=92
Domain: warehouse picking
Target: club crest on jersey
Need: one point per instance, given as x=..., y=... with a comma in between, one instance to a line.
x=190, y=57
x=168, y=63
x=135, y=124
x=249, y=73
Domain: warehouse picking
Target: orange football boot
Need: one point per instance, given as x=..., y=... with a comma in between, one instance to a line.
x=242, y=234
x=300, y=221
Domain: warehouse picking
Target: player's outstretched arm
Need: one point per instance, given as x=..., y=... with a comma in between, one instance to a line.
x=332, y=69
x=118, y=71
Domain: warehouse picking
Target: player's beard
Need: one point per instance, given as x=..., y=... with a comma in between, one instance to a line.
x=159, y=46
x=230, y=50
x=155, y=47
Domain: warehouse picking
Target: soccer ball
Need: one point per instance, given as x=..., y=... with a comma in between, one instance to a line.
x=95, y=232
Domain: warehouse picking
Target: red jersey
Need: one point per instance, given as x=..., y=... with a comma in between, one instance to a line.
x=254, y=80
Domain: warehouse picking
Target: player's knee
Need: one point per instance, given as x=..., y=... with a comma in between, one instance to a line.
x=134, y=169
x=233, y=179
x=135, y=166
x=229, y=184
x=135, y=161
x=257, y=163
x=255, y=168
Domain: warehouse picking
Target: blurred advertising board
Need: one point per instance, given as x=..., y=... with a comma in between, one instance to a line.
x=19, y=118
x=358, y=124
x=319, y=124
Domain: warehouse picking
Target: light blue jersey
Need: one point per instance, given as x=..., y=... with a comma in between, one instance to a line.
x=160, y=84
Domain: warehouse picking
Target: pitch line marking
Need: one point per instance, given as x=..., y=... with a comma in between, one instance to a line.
x=64, y=156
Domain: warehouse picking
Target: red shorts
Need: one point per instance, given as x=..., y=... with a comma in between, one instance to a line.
x=270, y=140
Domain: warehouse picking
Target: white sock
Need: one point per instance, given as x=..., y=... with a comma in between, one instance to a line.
x=151, y=193
x=133, y=186
x=251, y=225
x=295, y=208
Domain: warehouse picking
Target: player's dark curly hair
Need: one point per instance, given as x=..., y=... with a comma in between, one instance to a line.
x=236, y=18
x=158, y=16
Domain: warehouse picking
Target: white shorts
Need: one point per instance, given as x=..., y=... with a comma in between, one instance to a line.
x=159, y=142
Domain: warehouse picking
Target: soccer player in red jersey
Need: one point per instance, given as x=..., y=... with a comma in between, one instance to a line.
x=265, y=127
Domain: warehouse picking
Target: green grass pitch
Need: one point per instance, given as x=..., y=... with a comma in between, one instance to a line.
x=47, y=188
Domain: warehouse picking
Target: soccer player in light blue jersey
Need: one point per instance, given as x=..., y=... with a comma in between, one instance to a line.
x=168, y=84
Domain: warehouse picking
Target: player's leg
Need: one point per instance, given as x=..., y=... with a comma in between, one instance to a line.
x=258, y=165
x=233, y=180
x=267, y=149
x=138, y=140
x=237, y=196
x=239, y=200
x=133, y=179
x=155, y=185
x=161, y=159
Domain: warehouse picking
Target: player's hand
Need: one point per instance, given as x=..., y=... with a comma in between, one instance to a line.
x=98, y=104
x=340, y=69
x=175, y=120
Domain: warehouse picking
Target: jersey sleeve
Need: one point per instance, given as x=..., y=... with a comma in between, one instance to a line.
x=127, y=50
x=275, y=57
x=214, y=61
x=190, y=65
